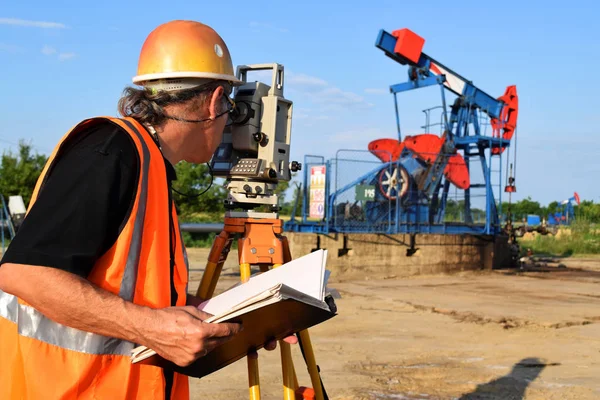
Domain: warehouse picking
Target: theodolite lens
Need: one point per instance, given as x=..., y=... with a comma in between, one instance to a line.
x=242, y=113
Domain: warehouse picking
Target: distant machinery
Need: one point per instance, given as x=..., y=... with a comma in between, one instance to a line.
x=408, y=192
x=11, y=217
x=566, y=212
x=564, y=215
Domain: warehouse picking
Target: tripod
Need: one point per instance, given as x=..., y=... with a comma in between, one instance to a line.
x=261, y=243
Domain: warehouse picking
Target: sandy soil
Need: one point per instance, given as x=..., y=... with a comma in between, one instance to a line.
x=506, y=334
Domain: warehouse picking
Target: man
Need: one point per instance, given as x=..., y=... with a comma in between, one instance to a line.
x=98, y=265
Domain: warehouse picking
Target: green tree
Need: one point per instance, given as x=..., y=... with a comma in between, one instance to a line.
x=281, y=190
x=19, y=172
x=552, y=208
x=454, y=210
x=588, y=210
x=522, y=208
x=287, y=207
x=193, y=179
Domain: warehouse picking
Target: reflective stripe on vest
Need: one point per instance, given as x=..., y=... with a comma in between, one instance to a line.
x=185, y=256
x=32, y=323
x=127, y=289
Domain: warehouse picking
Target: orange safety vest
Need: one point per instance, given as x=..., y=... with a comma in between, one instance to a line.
x=41, y=359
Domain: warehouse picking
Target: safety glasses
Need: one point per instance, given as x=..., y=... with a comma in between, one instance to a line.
x=229, y=110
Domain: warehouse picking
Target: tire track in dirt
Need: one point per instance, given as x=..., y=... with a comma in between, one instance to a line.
x=474, y=318
x=505, y=322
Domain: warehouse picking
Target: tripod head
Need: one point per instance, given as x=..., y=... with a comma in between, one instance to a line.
x=254, y=153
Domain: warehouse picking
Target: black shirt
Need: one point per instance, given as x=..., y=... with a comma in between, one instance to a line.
x=84, y=203
x=83, y=206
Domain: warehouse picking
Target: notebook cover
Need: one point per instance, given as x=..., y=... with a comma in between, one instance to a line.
x=276, y=320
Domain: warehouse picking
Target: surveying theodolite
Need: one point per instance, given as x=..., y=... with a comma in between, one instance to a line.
x=255, y=151
x=253, y=157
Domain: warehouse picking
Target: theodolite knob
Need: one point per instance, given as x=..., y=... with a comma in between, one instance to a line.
x=295, y=166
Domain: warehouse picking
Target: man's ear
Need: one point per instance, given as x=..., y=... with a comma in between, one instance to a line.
x=214, y=102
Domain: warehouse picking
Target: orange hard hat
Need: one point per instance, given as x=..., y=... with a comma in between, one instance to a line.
x=186, y=51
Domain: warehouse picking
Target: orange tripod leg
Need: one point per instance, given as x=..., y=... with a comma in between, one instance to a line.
x=253, y=379
x=290, y=381
x=287, y=369
x=263, y=245
x=311, y=362
x=214, y=266
x=253, y=376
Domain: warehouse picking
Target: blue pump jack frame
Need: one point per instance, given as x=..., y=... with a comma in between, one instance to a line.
x=464, y=114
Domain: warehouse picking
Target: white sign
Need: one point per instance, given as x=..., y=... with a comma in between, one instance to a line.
x=317, y=192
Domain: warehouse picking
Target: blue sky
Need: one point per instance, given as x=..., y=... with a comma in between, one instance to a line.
x=62, y=62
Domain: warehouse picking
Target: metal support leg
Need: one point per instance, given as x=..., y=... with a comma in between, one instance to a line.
x=216, y=259
x=311, y=364
x=253, y=378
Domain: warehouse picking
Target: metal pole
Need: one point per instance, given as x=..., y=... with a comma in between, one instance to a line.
x=397, y=118
x=201, y=227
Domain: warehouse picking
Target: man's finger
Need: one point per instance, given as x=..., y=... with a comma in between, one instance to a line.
x=271, y=345
x=196, y=313
x=291, y=339
x=212, y=343
x=224, y=329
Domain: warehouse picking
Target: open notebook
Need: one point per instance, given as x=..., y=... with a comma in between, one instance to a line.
x=273, y=304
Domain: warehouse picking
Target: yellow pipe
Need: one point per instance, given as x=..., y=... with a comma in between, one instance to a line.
x=245, y=272
x=296, y=385
x=290, y=363
x=209, y=279
x=311, y=363
x=287, y=367
x=253, y=378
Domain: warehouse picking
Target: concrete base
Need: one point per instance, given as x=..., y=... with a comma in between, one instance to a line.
x=379, y=256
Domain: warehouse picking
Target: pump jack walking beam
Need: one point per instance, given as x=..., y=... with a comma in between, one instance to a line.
x=405, y=47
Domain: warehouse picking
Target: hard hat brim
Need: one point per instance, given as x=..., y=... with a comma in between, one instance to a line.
x=140, y=79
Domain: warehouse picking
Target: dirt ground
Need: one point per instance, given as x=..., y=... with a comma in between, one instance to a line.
x=503, y=334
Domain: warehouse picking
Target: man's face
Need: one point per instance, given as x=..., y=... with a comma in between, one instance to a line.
x=203, y=138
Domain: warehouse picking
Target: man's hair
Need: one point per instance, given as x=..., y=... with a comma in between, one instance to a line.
x=147, y=105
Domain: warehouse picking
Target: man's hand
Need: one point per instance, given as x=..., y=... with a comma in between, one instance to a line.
x=180, y=335
x=270, y=345
x=176, y=333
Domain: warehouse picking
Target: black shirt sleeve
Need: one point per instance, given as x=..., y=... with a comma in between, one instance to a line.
x=83, y=204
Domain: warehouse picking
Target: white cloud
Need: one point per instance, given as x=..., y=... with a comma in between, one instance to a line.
x=29, y=23
x=376, y=91
x=323, y=93
x=314, y=89
x=301, y=113
x=62, y=56
x=10, y=48
x=303, y=79
x=338, y=95
x=258, y=26
x=48, y=50
x=307, y=116
x=359, y=137
x=65, y=56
